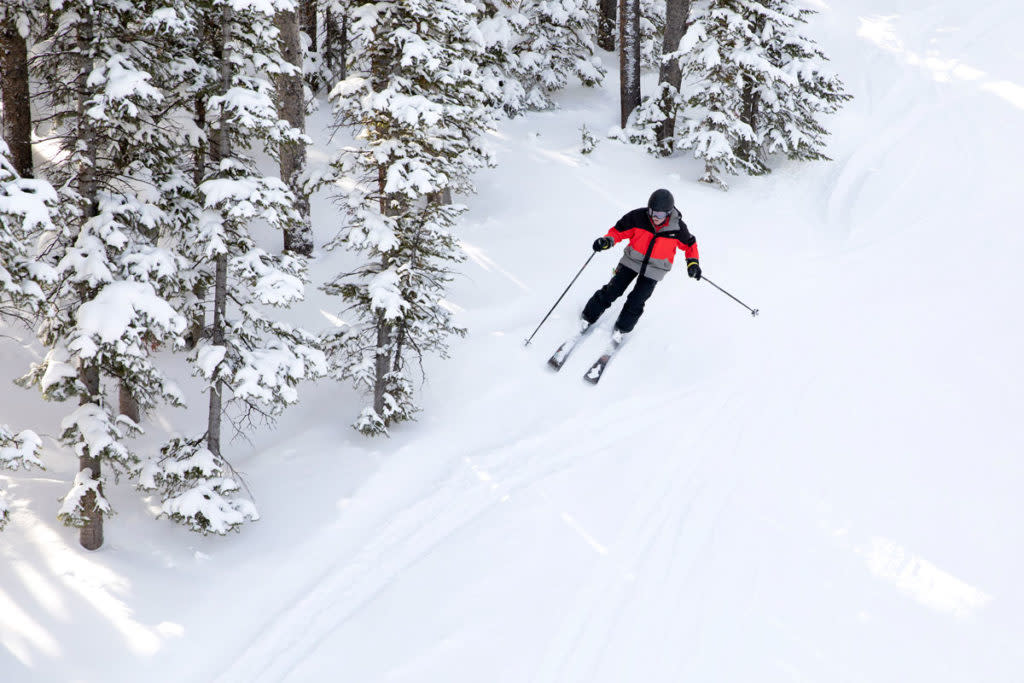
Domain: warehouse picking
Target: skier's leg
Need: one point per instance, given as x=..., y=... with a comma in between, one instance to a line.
x=634, y=306
x=604, y=297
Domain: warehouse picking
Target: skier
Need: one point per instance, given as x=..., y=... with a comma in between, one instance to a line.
x=654, y=235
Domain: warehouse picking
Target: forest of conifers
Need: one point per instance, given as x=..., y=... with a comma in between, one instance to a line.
x=148, y=145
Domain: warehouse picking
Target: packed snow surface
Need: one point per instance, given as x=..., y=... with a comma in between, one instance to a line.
x=828, y=492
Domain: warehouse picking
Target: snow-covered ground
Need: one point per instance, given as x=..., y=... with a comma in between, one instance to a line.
x=827, y=492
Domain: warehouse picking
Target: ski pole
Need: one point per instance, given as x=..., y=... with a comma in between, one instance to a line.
x=753, y=311
x=559, y=299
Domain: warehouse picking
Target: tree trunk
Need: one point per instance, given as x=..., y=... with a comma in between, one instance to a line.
x=217, y=390
x=382, y=364
x=336, y=44
x=127, y=405
x=17, y=113
x=291, y=107
x=382, y=62
x=85, y=133
x=90, y=536
x=441, y=197
x=199, y=154
x=199, y=158
x=308, y=22
x=86, y=183
x=676, y=14
x=629, y=57
x=747, y=150
x=606, y=25
x=220, y=286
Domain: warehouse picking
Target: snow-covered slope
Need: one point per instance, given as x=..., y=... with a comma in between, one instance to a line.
x=828, y=492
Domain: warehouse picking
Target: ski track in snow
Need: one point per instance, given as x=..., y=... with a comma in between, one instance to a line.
x=342, y=590
x=664, y=517
x=661, y=518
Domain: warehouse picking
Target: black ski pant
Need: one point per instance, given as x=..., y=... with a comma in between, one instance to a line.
x=634, y=306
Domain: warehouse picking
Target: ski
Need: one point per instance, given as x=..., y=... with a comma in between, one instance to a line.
x=593, y=375
x=558, y=359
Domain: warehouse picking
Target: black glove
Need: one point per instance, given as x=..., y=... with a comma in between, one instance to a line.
x=693, y=269
x=602, y=243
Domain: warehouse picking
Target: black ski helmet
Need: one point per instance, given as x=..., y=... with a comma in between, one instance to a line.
x=661, y=200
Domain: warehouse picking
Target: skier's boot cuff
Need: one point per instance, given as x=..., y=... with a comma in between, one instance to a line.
x=584, y=325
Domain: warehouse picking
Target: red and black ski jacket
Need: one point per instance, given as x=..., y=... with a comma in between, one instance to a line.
x=651, y=249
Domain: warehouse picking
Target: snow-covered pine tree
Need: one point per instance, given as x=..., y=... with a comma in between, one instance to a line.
x=758, y=86
x=418, y=110
x=720, y=55
x=252, y=362
x=531, y=48
x=108, y=305
x=785, y=111
x=555, y=39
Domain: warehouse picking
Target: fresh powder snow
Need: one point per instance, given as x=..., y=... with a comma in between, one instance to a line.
x=829, y=492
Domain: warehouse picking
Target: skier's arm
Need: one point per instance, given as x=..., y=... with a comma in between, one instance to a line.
x=691, y=250
x=689, y=247
x=619, y=235
x=623, y=230
x=609, y=239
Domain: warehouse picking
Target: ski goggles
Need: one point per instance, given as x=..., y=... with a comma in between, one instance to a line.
x=659, y=216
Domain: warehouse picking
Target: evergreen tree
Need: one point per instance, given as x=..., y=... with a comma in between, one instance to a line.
x=418, y=114
x=554, y=41
x=108, y=306
x=531, y=48
x=722, y=55
x=785, y=111
x=760, y=86
x=251, y=362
